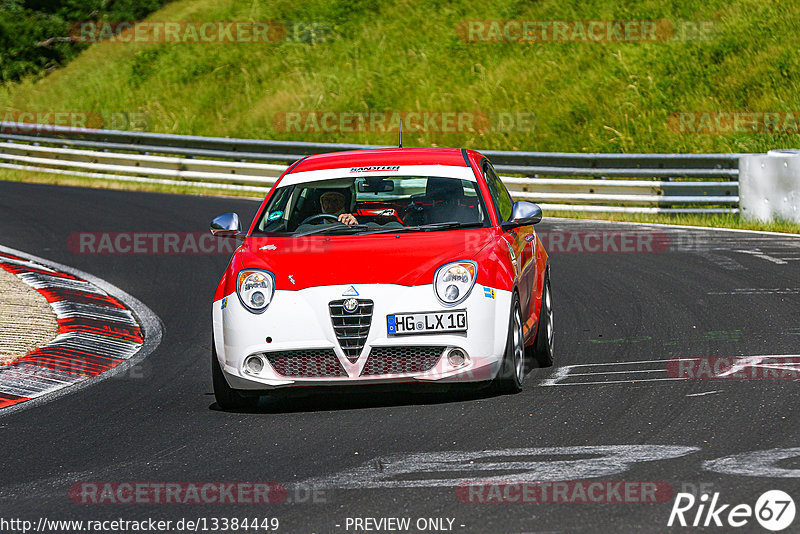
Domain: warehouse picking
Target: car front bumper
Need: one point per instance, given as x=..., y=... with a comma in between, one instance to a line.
x=295, y=335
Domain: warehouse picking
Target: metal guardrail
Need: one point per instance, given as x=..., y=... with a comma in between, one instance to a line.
x=588, y=182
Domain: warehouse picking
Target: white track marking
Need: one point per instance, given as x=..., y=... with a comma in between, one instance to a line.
x=102, y=345
x=758, y=254
x=618, y=372
x=452, y=468
x=604, y=382
x=756, y=464
x=150, y=324
x=66, y=309
x=633, y=362
x=562, y=376
x=703, y=394
x=43, y=281
x=564, y=373
x=743, y=363
x=28, y=263
x=756, y=361
x=33, y=381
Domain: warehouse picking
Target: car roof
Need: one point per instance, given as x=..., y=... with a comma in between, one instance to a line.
x=383, y=156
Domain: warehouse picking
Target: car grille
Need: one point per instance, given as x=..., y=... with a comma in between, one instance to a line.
x=306, y=363
x=401, y=360
x=351, y=328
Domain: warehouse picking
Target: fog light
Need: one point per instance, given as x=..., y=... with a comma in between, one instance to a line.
x=254, y=364
x=457, y=357
x=257, y=299
x=451, y=292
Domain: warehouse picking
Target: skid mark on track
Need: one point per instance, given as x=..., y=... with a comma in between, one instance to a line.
x=639, y=339
x=772, y=366
x=758, y=291
x=711, y=335
x=586, y=374
x=720, y=260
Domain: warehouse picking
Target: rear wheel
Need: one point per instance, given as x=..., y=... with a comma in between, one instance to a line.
x=543, y=343
x=512, y=370
x=227, y=397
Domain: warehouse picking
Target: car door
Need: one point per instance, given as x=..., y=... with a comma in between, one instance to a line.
x=521, y=242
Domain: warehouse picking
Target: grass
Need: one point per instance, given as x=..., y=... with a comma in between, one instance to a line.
x=408, y=56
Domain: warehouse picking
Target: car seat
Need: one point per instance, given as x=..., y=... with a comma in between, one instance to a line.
x=444, y=202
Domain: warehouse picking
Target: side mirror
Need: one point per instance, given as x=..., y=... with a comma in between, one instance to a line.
x=226, y=225
x=523, y=214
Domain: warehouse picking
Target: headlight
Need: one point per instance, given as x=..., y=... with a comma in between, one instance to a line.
x=255, y=289
x=453, y=281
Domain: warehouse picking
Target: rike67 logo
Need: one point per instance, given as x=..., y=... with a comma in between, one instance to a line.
x=774, y=510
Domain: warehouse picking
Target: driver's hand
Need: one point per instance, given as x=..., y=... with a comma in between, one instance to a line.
x=348, y=218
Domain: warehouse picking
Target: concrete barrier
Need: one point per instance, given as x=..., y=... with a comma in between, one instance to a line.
x=769, y=186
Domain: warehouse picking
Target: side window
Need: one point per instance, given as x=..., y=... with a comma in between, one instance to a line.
x=277, y=210
x=500, y=195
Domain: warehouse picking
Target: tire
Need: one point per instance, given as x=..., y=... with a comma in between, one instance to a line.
x=512, y=370
x=227, y=397
x=543, y=343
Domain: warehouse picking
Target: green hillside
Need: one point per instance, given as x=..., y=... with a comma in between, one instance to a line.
x=380, y=56
x=35, y=34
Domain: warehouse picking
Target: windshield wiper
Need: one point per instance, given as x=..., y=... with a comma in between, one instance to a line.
x=326, y=229
x=428, y=227
x=447, y=224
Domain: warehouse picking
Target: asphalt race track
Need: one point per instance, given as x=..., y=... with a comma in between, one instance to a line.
x=698, y=294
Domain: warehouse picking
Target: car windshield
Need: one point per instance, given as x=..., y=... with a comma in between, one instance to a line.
x=373, y=204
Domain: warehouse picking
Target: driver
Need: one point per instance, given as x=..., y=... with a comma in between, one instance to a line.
x=333, y=203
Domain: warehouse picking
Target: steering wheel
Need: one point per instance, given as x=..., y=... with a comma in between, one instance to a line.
x=320, y=216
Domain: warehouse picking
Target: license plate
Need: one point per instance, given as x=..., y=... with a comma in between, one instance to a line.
x=426, y=323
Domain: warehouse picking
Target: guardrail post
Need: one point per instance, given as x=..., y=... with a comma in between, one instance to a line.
x=769, y=186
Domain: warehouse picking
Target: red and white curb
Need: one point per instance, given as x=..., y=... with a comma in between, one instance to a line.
x=101, y=331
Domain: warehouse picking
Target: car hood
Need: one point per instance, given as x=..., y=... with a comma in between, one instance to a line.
x=406, y=259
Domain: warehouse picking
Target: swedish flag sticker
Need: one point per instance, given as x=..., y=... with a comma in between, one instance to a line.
x=488, y=292
x=224, y=303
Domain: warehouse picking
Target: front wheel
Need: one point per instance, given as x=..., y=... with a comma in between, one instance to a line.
x=512, y=370
x=227, y=397
x=543, y=343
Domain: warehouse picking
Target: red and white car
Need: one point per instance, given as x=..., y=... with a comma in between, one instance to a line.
x=382, y=266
